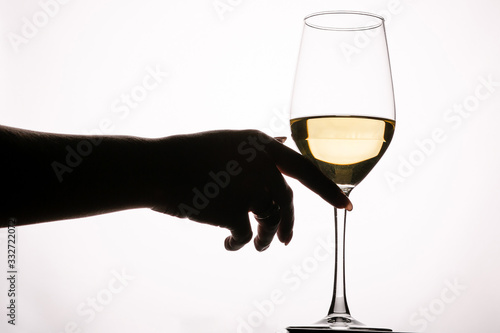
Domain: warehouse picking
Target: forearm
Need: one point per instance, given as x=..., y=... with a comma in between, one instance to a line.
x=47, y=177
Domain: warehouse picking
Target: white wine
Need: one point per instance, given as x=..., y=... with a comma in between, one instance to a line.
x=345, y=148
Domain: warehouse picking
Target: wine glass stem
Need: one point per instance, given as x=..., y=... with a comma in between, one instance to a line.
x=339, y=301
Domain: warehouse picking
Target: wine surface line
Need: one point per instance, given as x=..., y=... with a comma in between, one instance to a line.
x=344, y=148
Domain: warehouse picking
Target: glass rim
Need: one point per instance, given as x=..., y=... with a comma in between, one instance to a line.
x=351, y=12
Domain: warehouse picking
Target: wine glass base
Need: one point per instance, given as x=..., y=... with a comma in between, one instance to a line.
x=337, y=323
x=307, y=329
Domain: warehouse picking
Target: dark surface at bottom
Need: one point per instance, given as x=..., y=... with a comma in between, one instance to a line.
x=299, y=330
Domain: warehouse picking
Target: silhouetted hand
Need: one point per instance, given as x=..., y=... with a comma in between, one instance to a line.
x=212, y=177
x=218, y=177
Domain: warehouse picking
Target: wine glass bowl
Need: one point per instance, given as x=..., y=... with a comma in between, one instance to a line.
x=345, y=148
x=342, y=118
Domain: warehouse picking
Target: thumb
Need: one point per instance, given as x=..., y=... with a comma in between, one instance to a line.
x=280, y=139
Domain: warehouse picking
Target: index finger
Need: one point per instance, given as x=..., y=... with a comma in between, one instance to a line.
x=299, y=167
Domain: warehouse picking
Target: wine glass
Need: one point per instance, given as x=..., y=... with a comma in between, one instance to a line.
x=342, y=119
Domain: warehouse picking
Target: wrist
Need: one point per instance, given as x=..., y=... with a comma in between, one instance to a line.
x=161, y=170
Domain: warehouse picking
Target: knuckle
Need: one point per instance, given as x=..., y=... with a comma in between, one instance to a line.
x=260, y=136
x=271, y=224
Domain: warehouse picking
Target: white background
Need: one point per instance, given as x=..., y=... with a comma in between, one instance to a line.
x=407, y=241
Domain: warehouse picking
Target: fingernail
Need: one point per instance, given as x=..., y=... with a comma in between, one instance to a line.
x=280, y=139
x=289, y=238
x=264, y=248
x=258, y=247
x=230, y=246
x=349, y=206
x=227, y=244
